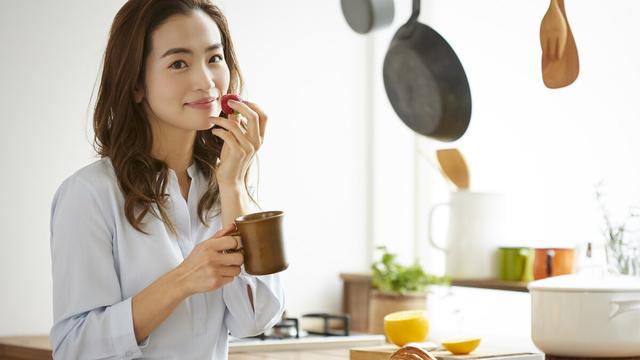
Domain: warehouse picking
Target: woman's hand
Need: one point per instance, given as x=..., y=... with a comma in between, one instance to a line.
x=240, y=146
x=210, y=265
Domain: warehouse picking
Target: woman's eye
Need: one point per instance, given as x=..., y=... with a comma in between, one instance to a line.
x=172, y=66
x=176, y=65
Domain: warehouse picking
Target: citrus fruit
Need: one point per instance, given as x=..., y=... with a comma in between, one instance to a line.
x=404, y=327
x=461, y=346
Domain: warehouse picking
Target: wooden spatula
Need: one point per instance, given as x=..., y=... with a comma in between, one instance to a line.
x=557, y=73
x=454, y=167
x=553, y=32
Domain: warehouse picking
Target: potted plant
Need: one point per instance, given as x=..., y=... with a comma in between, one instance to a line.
x=397, y=287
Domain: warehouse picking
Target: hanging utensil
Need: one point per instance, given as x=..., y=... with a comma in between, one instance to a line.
x=553, y=32
x=425, y=81
x=561, y=72
x=454, y=167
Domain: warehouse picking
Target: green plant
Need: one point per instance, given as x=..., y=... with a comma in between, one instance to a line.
x=622, y=252
x=393, y=277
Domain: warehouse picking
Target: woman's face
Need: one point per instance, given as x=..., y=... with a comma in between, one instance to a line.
x=186, y=65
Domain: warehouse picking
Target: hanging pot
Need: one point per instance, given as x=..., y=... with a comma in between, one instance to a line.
x=364, y=16
x=425, y=81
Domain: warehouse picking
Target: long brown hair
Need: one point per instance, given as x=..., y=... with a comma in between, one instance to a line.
x=122, y=131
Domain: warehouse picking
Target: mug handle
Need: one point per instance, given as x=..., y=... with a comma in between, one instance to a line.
x=526, y=272
x=550, y=255
x=431, y=212
x=234, y=232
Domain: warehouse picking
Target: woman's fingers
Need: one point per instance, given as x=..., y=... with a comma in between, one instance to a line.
x=226, y=230
x=233, y=127
x=253, y=120
x=230, y=271
x=232, y=259
x=228, y=138
x=261, y=125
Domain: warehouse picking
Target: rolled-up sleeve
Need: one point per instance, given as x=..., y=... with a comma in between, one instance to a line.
x=244, y=320
x=91, y=318
x=241, y=318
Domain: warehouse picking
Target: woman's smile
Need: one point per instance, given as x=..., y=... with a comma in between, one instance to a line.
x=206, y=103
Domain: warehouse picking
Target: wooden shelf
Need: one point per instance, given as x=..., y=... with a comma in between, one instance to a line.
x=492, y=284
x=363, y=278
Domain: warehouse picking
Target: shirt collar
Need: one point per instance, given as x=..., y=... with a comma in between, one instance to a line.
x=192, y=170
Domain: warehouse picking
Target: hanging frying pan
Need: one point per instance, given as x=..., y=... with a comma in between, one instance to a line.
x=425, y=81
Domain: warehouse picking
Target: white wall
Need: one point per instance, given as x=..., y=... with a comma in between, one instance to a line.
x=301, y=63
x=545, y=149
x=48, y=69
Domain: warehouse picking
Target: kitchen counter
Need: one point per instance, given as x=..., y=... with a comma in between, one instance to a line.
x=25, y=347
x=39, y=348
x=501, y=318
x=332, y=354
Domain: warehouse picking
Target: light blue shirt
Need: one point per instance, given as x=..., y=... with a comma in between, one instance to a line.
x=100, y=262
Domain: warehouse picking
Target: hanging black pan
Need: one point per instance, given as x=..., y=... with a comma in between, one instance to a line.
x=425, y=81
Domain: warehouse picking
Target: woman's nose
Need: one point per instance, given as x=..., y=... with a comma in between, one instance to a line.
x=204, y=79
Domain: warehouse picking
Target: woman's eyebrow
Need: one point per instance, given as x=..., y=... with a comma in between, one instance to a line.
x=188, y=51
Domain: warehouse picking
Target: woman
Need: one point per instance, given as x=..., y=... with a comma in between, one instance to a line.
x=141, y=263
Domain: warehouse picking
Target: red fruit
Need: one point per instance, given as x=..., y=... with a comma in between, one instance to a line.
x=224, y=102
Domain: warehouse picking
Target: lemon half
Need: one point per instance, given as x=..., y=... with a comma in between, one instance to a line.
x=404, y=327
x=461, y=346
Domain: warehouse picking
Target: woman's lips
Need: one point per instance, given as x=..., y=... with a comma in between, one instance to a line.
x=203, y=105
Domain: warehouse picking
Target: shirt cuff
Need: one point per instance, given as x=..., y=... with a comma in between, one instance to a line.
x=124, y=338
x=250, y=281
x=270, y=283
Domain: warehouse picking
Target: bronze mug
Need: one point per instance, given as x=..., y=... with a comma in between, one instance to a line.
x=262, y=242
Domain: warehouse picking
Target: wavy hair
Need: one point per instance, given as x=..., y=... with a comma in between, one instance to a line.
x=121, y=129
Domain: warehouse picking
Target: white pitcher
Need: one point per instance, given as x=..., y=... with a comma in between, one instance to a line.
x=477, y=227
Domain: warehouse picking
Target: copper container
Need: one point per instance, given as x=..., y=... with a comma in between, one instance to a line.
x=553, y=262
x=262, y=242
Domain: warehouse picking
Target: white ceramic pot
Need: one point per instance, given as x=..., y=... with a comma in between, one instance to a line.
x=586, y=316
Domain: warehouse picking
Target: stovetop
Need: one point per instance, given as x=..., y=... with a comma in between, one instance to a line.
x=287, y=334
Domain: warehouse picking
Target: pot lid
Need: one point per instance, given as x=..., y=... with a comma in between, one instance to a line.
x=587, y=283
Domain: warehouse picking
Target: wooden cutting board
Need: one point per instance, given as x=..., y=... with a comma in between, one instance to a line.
x=383, y=352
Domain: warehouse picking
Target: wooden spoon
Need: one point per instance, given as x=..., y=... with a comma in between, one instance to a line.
x=563, y=71
x=454, y=167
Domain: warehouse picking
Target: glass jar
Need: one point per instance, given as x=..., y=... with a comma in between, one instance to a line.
x=623, y=254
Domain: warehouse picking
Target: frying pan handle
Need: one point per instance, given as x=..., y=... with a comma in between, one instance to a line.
x=433, y=210
x=415, y=13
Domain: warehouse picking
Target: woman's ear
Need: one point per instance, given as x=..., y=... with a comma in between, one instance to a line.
x=138, y=94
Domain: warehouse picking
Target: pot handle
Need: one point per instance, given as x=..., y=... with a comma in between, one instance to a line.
x=415, y=11
x=625, y=306
x=431, y=212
